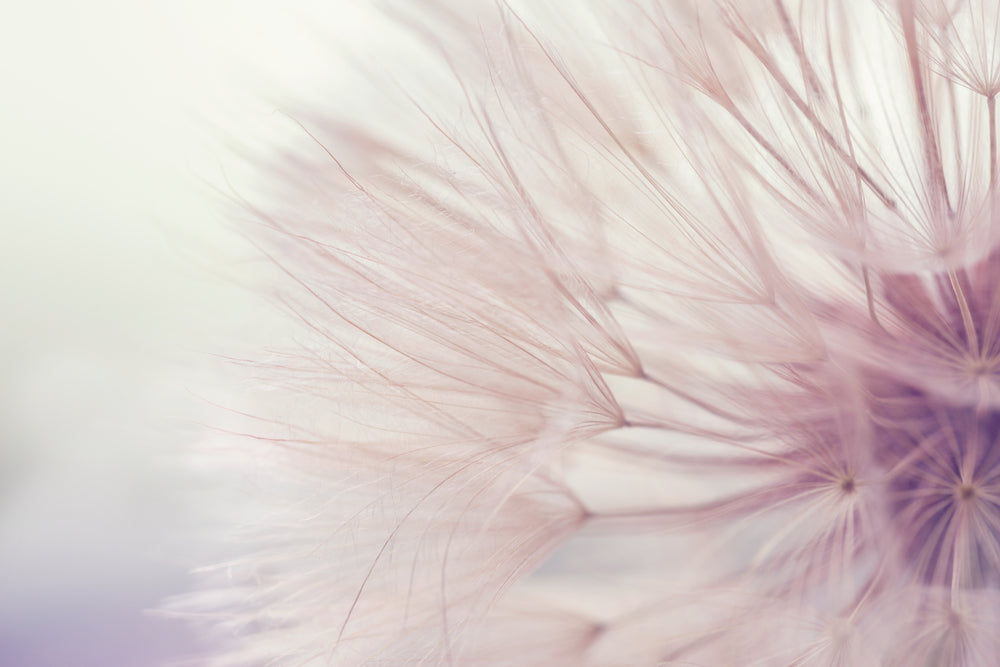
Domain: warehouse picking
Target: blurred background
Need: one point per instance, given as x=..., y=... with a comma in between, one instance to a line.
x=121, y=279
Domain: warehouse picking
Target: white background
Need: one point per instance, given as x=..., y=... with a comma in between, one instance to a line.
x=119, y=277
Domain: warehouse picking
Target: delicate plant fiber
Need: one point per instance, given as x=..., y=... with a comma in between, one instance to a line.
x=644, y=333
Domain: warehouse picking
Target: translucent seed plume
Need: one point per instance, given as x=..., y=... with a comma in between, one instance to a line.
x=641, y=333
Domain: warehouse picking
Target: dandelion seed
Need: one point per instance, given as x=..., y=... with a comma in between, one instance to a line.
x=651, y=333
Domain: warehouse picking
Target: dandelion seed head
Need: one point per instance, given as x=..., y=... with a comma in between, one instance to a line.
x=653, y=333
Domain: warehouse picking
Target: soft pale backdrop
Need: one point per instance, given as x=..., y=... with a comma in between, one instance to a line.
x=118, y=280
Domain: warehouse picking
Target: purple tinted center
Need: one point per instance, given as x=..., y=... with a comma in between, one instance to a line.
x=942, y=463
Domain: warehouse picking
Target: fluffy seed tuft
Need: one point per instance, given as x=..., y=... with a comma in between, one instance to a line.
x=646, y=333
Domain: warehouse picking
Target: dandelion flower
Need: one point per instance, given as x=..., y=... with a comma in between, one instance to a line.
x=642, y=333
